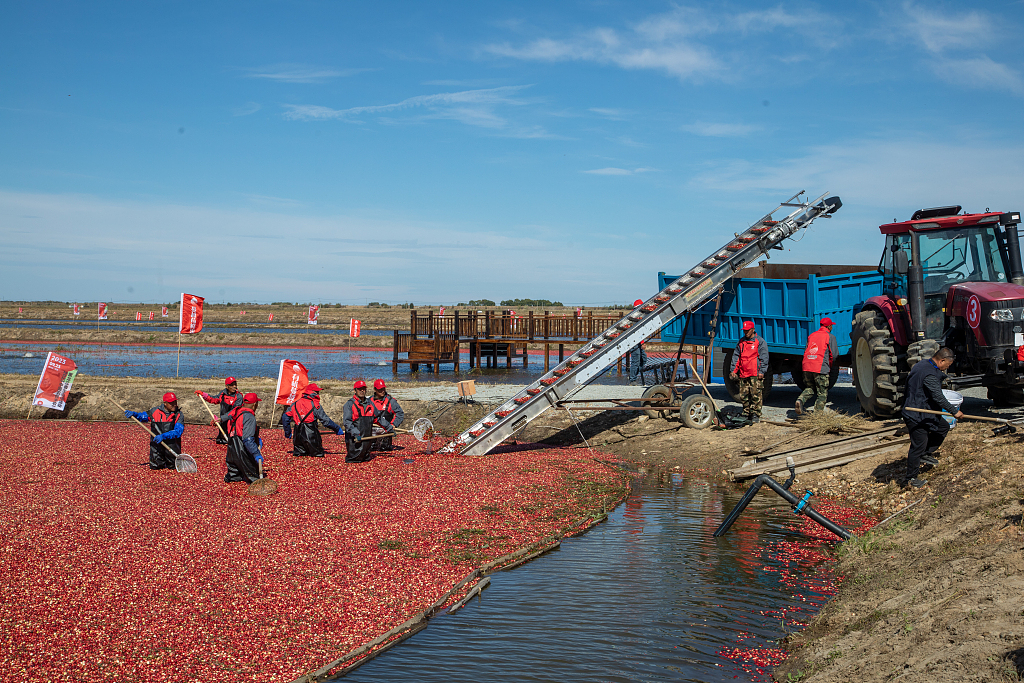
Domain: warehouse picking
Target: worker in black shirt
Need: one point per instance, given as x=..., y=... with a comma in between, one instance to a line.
x=927, y=432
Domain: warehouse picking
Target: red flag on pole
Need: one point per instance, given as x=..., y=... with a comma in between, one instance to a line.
x=163, y=311
x=353, y=327
x=19, y=309
x=138, y=315
x=270, y=318
x=101, y=311
x=55, y=382
x=190, y=317
x=151, y=315
x=292, y=378
x=76, y=309
x=314, y=315
x=441, y=312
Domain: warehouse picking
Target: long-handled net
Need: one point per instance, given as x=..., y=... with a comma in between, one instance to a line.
x=423, y=429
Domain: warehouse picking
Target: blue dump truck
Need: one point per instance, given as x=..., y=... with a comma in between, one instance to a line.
x=786, y=303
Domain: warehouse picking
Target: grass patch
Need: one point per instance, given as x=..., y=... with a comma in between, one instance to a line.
x=831, y=422
x=866, y=622
x=391, y=544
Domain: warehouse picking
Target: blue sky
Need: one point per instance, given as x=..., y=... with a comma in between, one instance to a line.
x=438, y=152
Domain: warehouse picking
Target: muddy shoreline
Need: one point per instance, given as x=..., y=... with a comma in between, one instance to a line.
x=933, y=594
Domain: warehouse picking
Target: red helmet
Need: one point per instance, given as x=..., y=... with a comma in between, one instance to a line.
x=360, y=384
x=748, y=325
x=827, y=321
x=311, y=389
x=378, y=384
x=251, y=398
x=638, y=302
x=169, y=397
x=228, y=381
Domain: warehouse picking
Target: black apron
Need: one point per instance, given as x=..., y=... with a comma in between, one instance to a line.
x=363, y=417
x=242, y=466
x=306, y=435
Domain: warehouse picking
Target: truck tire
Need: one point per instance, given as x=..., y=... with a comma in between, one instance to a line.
x=697, y=411
x=875, y=373
x=733, y=386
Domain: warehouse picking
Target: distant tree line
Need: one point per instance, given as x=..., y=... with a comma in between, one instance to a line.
x=531, y=302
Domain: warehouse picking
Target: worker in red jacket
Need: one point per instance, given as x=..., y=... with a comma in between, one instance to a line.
x=305, y=414
x=750, y=366
x=819, y=358
x=244, y=455
x=166, y=425
x=360, y=415
x=227, y=399
x=392, y=412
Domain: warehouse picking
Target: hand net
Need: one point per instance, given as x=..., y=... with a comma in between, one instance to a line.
x=185, y=464
x=423, y=429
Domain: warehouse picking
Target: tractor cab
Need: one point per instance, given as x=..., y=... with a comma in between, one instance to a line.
x=941, y=249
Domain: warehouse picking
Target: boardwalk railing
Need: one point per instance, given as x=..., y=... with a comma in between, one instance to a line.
x=504, y=324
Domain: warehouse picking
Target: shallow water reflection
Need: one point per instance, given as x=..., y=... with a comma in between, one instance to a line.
x=647, y=596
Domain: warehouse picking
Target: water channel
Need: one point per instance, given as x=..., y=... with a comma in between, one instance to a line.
x=648, y=595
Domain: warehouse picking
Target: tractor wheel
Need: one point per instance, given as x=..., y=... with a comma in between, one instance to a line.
x=1006, y=396
x=733, y=385
x=663, y=396
x=697, y=411
x=920, y=350
x=874, y=365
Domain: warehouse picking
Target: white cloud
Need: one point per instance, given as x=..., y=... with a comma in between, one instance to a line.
x=611, y=170
x=295, y=73
x=720, y=130
x=981, y=73
x=673, y=42
x=939, y=32
x=246, y=109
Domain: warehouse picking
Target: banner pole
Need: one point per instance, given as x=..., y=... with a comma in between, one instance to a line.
x=273, y=409
x=177, y=369
x=30, y=407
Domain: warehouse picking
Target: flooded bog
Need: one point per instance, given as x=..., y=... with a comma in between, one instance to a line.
x=647, y=596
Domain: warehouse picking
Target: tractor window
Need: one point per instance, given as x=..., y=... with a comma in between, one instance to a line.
x=951, y=256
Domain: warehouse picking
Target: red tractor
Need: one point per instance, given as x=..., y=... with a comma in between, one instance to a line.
x=949, y=279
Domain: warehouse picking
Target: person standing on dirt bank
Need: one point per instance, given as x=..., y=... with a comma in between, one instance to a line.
x=228, y=400
x=751, y=356
x=244, y=456
x=305, y=413
x=819, y=356
x=637, y=356
x=389, y=408
x=360, y=416
x=927, y=432
x=167, y=425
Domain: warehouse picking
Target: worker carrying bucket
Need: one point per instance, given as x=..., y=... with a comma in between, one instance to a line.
x=819, y=357
x=927, y=430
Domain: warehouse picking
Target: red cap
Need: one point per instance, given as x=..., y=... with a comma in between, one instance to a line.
x=228, y=381
x=251, y=398
x=360, y=384
x=827, y=321
x=638, y=302
x=748, y=325
x=169, y=397
x=311, y=389
x=378, y=384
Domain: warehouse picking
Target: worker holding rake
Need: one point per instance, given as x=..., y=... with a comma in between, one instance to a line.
x=244, y=456
x=391, y=411
x=228, y=399
x=166, y=425
x=360, y=416
x=302, y=419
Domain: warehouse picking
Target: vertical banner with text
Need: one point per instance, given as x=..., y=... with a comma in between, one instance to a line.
x=292, y=378
x=353, y=327
x=101, y=311
x=163, y=311
x=55, y=382
x=314, y=315
x=190, y=317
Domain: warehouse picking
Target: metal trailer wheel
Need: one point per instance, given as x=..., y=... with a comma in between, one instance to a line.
x=697, y=411
x=664, y=398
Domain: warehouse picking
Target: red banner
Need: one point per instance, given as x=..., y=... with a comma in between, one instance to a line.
x=292, y=378
x=101, y=311
x=270, y=318
x=163, y=311
x=151, y=315
x=19, y=309
x=314, y=315
x=353, y=327
x=138, y=315
x=55, y=382
x=190, y=317
x=76, y=309
x=441, y=312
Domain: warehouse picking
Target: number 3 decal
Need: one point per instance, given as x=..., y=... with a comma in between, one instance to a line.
x=973, y=312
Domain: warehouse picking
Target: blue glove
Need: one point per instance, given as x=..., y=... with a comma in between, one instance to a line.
x=158, y=438
x=341, y=430
x=259, y=457
x=261, y=443
x=358, y=438
x=287, y=433
x=131, y=413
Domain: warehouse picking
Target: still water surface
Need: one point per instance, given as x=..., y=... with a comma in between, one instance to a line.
x=647, y=596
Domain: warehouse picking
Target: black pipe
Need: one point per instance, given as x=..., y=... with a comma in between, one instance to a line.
x=800, y=506
x=915, y=289
x=1013, y=253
